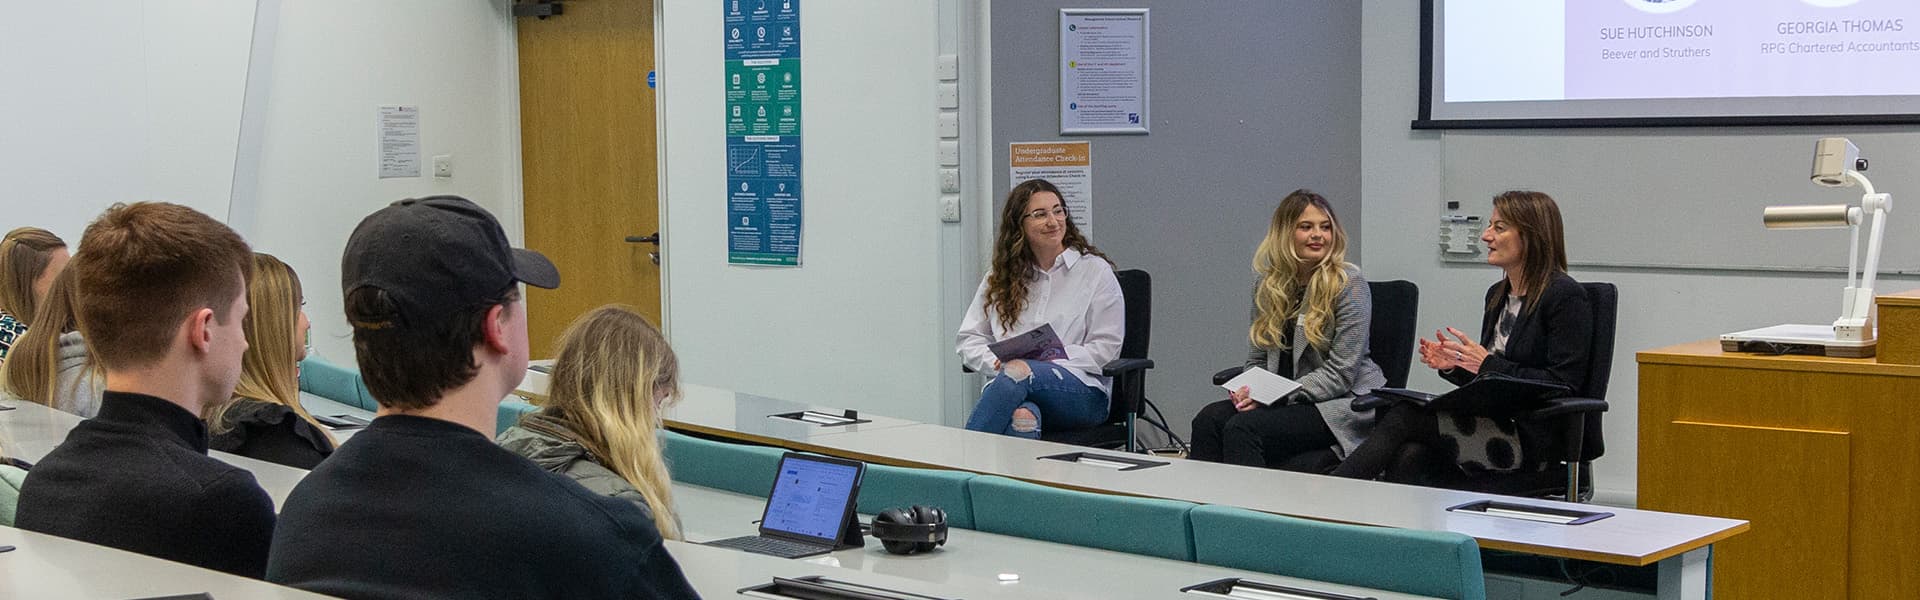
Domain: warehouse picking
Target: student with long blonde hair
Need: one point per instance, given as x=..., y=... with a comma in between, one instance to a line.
x=265, y=419
x=50, y=365
x=30, y=257
x=1311, y=314
x=612, y=377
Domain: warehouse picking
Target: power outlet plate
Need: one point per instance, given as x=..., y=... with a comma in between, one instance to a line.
x=443, y=166
x=949, y=181
x=948, y=125
x=949, y=208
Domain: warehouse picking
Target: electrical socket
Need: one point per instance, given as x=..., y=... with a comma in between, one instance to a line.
x=949, y=208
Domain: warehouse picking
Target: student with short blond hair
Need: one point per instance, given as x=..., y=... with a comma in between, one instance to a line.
x=161, y=294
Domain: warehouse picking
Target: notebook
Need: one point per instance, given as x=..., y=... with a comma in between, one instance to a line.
x=808, y=510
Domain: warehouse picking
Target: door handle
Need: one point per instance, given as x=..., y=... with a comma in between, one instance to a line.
x=648, y=239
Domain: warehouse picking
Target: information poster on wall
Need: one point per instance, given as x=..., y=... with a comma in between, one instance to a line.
x=762, y=42
x=399, y=141
x=1103, y=71
x=1067, y=165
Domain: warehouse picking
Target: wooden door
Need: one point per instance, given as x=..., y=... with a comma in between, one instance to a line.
x=587, y=141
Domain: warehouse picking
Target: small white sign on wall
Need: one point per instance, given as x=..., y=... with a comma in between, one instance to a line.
x=399, y=141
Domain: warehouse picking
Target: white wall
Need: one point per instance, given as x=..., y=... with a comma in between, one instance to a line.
x=1402, y=193
x=105, y=101
x=863, y=322
x=332, y=64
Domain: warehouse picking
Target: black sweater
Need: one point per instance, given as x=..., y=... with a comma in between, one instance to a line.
x=137, y=477
x=271, y=432
x=417, y=507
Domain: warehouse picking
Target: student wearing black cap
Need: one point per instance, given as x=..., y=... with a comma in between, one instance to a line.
x=422, y=503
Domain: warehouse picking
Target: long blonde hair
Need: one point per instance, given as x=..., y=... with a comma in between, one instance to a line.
x=269, y=371
x=611, y=366
x=33, y=369
x=1277, y=263
x=24, y=255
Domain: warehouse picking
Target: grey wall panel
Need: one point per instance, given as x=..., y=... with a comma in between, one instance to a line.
x=1250, y=101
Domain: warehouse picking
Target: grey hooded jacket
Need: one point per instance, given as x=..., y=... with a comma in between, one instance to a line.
x=80, y=386
x=555, y=448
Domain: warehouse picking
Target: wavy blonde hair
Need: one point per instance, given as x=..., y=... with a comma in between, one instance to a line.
x=24, y=255
x=33, y=366
x=611, y=366
x=1278, y=295
x=269, y=371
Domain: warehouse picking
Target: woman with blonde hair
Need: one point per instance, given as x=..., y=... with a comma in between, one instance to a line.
x=50, y=365
x=265, y=419
x=613, y=376
x=1311, y=314
x=30, y=257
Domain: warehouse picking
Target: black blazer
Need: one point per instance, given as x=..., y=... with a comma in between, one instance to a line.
x=1551, y=341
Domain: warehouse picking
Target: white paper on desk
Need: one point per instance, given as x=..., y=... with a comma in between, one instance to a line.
x=1262, y=385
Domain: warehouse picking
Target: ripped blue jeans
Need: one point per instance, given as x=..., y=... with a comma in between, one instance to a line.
x=1052, y=393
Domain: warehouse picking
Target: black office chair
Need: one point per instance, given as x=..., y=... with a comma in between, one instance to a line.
x=1396, y=311
x=1129, y=373
x=1560, y=438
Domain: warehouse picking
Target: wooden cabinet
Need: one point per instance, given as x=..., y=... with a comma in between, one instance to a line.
x=1821, y=454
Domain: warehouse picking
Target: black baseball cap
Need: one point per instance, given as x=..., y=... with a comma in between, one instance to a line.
x=436, y=255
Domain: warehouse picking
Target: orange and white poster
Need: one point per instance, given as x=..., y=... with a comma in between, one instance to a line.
x=1068, y=165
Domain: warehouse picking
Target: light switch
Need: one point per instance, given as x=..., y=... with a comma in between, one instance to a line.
x=949, y=125
x=949, y=95
x=947, y=67
x=443, y=166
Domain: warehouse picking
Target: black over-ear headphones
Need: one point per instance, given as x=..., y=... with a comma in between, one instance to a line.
x=911, y=530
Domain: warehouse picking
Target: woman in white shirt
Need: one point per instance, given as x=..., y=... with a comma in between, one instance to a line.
x=1044, y=273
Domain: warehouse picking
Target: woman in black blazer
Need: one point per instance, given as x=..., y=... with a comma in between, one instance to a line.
x=1538, y=325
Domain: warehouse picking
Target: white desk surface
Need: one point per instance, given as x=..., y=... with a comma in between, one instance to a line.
x=971, y=560
x=1630, y=537
x=45, y=566
x=30, y=431
x=735, y=415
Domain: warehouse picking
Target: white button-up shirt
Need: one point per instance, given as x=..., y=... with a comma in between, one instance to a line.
x=1079, y=297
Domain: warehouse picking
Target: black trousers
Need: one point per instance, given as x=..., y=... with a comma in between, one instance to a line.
x=1406, y=446
x=1265, y=436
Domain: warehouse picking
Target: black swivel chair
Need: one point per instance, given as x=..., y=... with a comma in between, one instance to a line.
x=1561, y=437
x=1396, y=311
x=1129, y=373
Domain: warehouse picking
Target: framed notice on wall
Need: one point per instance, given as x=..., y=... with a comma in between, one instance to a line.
x=1103, y=71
